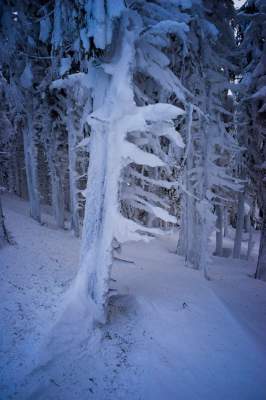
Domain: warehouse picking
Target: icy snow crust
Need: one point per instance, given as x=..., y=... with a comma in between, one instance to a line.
x=171, y=334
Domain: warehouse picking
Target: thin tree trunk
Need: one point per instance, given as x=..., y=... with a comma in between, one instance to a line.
x=72, y=157
x=226, y=222
x=239, y=225
x=17, y=174
x=4, y=237
x=11, y=176
x=261, y=266
x=180, y=250
x=31, y=168
x=250, y=231
x=205, y=215
x=57, y=199
x=186, y=244
x=219, y=231
x=250, y=241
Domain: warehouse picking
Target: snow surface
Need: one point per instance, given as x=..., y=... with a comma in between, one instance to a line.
x=171, y=334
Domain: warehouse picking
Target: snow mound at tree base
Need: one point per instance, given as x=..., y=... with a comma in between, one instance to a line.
x=73, y=327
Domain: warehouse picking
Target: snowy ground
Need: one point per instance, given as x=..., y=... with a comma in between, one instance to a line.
x=171, y=334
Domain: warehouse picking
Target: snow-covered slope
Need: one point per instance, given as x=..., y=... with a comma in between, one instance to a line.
x=171, y=334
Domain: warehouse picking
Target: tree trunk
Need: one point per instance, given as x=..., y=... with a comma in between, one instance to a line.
x=250, y=241
x=17, y=174
x=31, y=168
x=187, y=243
x=96, y=254
x=11, y=176
x=3, y=231
x=106, y=161
x=57, y=199
x=226, y=222
x=72, y=157
x=239, y=225
x=261, y=266
x=250, y=230
x=206, y=218
x=219, y=231
x=180, y=250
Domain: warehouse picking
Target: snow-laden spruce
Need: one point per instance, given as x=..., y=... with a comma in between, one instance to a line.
x=208, y=181
x=116, y=116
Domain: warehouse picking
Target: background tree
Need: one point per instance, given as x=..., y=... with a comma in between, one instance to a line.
x=252, y=89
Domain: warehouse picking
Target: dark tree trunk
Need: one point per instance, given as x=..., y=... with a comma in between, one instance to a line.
x=261, y=266
x=4, y=237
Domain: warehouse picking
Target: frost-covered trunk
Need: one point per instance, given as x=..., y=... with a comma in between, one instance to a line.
x=180, y=250
x=190, y=223
x=186, y=243
x=226, y=221
x=57, y=198
x=72, y=159
x=96, y=256
x=239, y=225
x=30, y=153
x=204, y=206
x=219, y=230
x=106, y=154
x=261, y=266
x=188, y=232
x=190, y=212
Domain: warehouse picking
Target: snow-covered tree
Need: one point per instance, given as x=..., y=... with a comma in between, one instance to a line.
x=207, y=178
x=125, y=131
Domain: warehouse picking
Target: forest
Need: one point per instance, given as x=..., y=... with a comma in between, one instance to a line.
x=132, y=182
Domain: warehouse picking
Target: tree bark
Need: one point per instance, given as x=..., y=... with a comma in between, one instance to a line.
x=219, y=231
x=239, y=225
x=72, y=157
x=261, y=266
x=250, y=241
x=226, y=222
x=187, y=243
x=3, y=231
x=57, y=199
x=31, y=167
